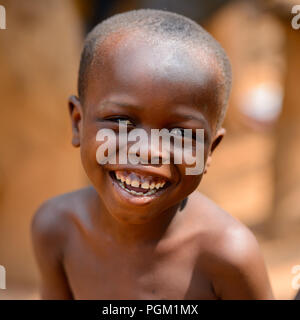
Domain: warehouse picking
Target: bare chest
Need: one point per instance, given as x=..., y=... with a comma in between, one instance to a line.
x=104, y=273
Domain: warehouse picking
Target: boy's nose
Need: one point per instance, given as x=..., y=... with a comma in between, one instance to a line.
x=153, y=153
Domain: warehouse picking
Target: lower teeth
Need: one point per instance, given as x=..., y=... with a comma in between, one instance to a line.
x=148, y=193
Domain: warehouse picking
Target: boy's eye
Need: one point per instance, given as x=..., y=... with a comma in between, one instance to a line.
x=177, y=132
x=121, y=120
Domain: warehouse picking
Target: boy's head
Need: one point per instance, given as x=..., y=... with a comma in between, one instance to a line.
x=151, y=69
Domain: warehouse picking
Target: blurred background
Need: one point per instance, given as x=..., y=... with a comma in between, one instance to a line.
x=255, y=174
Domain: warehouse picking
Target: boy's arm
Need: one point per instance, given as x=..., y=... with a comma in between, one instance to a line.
x=241, y=272
x=47, y=238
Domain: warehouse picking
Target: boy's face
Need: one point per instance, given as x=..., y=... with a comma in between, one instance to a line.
x=149, y=84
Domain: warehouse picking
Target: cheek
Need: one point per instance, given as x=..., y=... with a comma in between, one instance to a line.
x=188, y=183
x=193, y=163
x=191, y=181
x=88, y=149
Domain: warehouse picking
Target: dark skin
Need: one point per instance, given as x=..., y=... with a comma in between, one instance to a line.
x=101, y=242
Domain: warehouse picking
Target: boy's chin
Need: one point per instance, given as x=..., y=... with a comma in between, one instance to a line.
x=128, y=207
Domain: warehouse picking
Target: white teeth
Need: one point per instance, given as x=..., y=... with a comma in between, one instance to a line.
x=152, y=185
x=134, y=183
x=145, y=185
x=118, y=175
x=150, y=192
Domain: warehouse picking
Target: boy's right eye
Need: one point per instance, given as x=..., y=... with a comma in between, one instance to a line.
x=121, y=120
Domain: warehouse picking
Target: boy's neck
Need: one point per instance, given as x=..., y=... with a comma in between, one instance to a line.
x=149, y=233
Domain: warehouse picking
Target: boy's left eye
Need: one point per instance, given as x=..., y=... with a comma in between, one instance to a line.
x=177, y=131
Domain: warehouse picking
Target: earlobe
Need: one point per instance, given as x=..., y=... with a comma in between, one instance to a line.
x=218, y=138
x=208, y=161
x=75, y=111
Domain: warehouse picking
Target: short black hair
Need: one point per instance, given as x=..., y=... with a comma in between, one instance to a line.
x=167, y=25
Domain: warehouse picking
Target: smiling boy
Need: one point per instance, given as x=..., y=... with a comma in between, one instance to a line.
x=132, y=234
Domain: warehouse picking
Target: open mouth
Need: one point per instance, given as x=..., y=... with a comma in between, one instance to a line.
x=139, y=185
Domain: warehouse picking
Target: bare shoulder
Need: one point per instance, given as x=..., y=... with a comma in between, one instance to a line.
x=218, y=223
x=50, y=230
x=52, y=219
x=232, y=256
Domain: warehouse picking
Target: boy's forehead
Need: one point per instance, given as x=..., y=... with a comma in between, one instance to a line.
x=161, y=69
x=135, y=55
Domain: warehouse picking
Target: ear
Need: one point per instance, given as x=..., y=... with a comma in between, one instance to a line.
x=217, y=139
x=75, y=110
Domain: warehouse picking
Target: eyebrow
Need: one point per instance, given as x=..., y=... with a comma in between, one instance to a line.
x=130, y=105
x=192, y=116
x=120, y=104
x=201, y=118
x=198, y=117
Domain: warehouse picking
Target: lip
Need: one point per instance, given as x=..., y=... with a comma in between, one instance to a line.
x=138, y=200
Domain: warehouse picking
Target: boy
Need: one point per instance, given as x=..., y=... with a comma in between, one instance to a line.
x=129, y=235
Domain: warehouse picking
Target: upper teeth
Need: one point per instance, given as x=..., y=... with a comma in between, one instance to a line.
x=136, y=181
x=145, y=185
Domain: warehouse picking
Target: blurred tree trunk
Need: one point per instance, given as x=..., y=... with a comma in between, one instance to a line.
x=287, y=154
x=38, y=61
